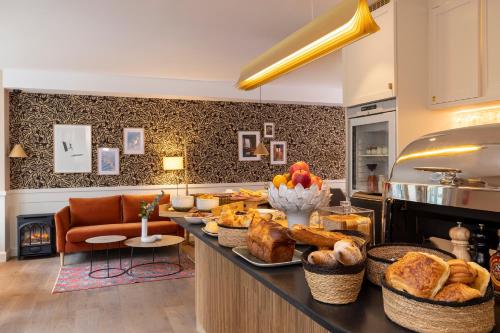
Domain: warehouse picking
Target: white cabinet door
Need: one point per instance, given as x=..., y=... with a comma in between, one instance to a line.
x=454, y=62
x=492, y=48
x=368, y=64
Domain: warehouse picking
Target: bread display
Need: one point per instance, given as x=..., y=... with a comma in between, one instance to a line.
x=457, y=292
x=322, y=258
x=419, y=274
x=460, y=271
x=270, y=242
x=316, y=237
x=482, y=279
x=347, y=252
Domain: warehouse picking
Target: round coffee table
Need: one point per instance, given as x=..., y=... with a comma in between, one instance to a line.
x=106, y=240
x=167, y=240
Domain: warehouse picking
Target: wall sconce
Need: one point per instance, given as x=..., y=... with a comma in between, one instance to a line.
x=17, y=152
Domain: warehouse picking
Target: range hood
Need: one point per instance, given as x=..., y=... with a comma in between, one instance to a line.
x=458, y=168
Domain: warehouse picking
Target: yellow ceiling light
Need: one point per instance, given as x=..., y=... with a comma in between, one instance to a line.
x=345, y=23
x=440, y=152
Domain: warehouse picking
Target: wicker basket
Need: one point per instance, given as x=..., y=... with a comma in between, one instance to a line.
x=424, y=315
x=381, y=256
x=232, y=236
x=335, y=285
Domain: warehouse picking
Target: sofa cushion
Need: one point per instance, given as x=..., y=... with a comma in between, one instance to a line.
x=80, y=234
x=95, y=211
x=132, y=206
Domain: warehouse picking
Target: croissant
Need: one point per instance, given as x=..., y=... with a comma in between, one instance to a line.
x=482, y=280
x=460, y=271
x=457, y=292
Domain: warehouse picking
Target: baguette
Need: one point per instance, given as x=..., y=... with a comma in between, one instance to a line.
x=316, y=237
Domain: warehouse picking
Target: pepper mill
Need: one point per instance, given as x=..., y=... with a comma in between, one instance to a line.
x=482, y=256
x=460, y=239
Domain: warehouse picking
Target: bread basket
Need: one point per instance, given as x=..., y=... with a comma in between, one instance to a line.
x=425, y=315
x=381, y=256
x=232, y=236
x=338, y=284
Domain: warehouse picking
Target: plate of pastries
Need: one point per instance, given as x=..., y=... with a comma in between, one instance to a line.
x=427, y=276
x=249, y=195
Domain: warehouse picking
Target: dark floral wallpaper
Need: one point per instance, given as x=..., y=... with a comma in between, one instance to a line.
x=314, y=134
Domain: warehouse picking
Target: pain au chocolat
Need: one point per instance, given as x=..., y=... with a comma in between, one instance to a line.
x=457, y=292
x=419, y=274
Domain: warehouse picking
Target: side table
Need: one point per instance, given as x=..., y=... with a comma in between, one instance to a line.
x=106, y=240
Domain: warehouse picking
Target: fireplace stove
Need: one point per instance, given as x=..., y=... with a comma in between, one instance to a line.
x=35, y=235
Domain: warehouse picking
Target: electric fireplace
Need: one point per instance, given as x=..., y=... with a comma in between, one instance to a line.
x=35, y=235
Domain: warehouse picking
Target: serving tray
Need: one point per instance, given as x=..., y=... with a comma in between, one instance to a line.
x=209, y=233
x=243, y=252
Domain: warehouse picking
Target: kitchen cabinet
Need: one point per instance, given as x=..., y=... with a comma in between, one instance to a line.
x=491, y=70
x=454, y=47
x=368, y=64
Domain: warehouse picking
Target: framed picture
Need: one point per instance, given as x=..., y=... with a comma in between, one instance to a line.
x=133, y=141
x=72, y=149
x=278, y=152
x=269, y=130
x=247, y=143
x=108, y=161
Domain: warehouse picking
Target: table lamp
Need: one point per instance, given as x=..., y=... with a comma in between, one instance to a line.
x=261, y=150
x=18, y=151
x=173, y=163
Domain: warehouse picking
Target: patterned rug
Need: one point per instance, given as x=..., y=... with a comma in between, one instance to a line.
x=75, y=277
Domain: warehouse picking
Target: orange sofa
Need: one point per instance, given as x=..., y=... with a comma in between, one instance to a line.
x=113, y=215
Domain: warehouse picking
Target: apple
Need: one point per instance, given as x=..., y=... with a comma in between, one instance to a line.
x=316, y=180
x=301, y=165
x=301, y=177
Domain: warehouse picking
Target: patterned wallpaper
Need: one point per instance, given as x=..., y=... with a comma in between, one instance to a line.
x=314, y=134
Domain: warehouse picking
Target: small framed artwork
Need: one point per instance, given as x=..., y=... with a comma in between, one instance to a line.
x=72, y=148
x=269, y=130
x=108, y=161
x=247, y=143
x=133, y=141
x=278, y=152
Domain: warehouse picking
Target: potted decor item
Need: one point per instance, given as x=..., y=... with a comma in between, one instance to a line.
x=298, y=193
x=146, y=210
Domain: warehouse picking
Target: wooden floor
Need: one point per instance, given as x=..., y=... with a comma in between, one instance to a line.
x=27, y=305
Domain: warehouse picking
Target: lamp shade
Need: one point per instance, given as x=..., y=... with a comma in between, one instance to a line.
x=173, y=163
x=18, y=152
x=347, y=22
x=261, y=150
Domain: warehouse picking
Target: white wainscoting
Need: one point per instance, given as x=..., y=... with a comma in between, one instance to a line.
x=38, y=201
x=4, y=252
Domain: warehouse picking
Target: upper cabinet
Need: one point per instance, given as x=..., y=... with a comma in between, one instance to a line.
x=464, y=52
x=368, y=64
x=454, y=50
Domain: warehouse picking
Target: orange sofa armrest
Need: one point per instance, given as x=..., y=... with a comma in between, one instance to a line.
x=62, y=219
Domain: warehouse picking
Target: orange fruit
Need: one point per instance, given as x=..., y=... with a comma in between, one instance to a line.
x=278, y=180
x=288, y=176
x=290, y=184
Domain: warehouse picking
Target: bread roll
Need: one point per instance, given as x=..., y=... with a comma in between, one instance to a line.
x=460, y=271
x=212, y=227
x=482, y=279
x=347, y=252
x=419, y=274
x=457, y=292
x=322, y=258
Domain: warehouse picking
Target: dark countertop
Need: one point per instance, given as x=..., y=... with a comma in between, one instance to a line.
x=364, y=315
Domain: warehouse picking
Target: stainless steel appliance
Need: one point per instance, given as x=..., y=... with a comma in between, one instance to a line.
x=444, y=178
x=371, y=145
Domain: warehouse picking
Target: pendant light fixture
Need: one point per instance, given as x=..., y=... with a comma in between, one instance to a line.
x=345, y=23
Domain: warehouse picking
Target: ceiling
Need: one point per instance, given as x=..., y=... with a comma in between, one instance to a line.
x=181, y=39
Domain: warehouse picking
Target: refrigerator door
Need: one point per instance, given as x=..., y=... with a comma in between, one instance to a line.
x=371, y=151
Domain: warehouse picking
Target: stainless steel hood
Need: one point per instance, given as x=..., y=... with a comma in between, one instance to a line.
x=458, y=168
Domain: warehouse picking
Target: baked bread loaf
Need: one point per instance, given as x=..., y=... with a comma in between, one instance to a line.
x=270, y=242
x=316, y=237
x=419, y=274
x=457, y=292
x=347, y=252
x=322, y=258
x=482, y=279
x=460, y=271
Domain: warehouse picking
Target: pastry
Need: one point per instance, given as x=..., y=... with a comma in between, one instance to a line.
x=482, y=279
x=419, y=274
x=322, y=258
x=457, y=292
x=212, y=227
x=347, y=252
x=460, y=271
x=270, y=242
x=316, y=237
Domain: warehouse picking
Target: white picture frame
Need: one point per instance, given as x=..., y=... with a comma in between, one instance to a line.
x=278, y=152
x=108, y=161
x=248, y=142
x=72, y=148
x=133, y=141
x=269, y=130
